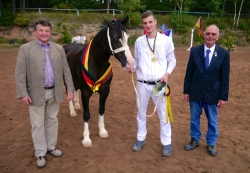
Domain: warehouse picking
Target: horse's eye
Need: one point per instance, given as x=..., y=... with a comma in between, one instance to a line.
x=116, y=39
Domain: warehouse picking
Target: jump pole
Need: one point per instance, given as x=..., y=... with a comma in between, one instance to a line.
x=192, y=35
x=191, y=44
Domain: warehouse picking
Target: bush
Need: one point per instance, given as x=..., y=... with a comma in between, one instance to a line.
x=134, y=19
x=14, y=41
x=198, y=39
x=229, y=41
x=3, y=40
x=132, y=39
x=21, y=20
x=180, y=23
x=243, y=26
x=66, y=36
x=220, y=23
x=7, y=17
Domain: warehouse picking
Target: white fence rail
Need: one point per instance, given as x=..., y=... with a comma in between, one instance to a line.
x=77, y=11
x=114, y=11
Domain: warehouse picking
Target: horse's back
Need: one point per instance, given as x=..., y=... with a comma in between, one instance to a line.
x=72, y=49
x=73, y=53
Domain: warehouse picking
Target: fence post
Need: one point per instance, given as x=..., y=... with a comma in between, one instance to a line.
x=77, y=12
x=39, y=10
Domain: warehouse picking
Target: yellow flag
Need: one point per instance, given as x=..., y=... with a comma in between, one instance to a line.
x=198, y=25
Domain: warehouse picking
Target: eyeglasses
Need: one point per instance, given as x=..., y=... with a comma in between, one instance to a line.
x=210, y=34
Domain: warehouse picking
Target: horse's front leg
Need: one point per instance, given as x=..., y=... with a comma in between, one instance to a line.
x=103, y=133
x=103, y=97
x=86, y=142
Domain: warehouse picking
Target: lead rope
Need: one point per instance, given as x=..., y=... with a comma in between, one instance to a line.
x=138, y=101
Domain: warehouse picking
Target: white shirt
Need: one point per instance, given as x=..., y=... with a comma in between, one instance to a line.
x=211, y=52
x=145, y=68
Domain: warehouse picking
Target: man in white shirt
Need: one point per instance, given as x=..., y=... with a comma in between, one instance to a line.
x=154, y=62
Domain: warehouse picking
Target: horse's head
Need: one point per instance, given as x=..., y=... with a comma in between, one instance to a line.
x=118, y=42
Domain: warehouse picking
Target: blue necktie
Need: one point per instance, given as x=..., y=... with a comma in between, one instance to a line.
x=207, y=58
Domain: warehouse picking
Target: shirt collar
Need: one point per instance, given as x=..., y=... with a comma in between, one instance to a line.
x=211, y=48
x=41, y=44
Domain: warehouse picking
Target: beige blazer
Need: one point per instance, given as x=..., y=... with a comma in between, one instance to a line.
x=29, y=72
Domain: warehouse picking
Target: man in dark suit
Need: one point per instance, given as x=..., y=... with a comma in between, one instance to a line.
x=206, y=85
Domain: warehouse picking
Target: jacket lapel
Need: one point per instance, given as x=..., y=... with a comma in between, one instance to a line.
x=215, y=55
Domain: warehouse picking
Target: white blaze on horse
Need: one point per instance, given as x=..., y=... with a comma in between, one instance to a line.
x=92, y=72
x=78, y=39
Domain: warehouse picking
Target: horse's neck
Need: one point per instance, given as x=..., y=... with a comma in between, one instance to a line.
x=98, y=57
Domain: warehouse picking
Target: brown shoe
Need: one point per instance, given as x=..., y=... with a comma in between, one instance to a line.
x=191, y=145
x=212, y=150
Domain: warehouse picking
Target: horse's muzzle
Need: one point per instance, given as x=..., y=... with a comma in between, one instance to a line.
x=123, y=62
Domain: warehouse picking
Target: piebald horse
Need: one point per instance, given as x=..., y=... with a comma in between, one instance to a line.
x=92, y=72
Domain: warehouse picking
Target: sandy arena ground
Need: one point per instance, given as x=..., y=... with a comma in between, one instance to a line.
x=114, y=154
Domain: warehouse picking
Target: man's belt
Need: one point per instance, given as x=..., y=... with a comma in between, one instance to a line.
x=149, y=82
x=49, y=87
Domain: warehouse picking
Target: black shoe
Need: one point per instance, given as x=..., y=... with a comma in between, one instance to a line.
x=191, y=145
x=212, y=150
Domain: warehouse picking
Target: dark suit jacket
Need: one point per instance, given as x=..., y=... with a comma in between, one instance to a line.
x=211, y=84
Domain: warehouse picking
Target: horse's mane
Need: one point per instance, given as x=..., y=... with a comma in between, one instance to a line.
x=119, y=28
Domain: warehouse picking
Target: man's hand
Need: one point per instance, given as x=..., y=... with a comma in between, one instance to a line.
x=186, y=97
x=221, y=103
x=26, y=100
x=70, y=96
x=165, y=78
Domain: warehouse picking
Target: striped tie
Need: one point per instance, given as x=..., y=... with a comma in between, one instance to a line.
x=207, y=57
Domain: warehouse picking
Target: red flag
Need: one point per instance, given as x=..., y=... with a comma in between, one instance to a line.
x=198, y=24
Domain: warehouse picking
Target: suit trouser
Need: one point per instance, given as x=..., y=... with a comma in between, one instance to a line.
x=144, y=92
x=44, y=124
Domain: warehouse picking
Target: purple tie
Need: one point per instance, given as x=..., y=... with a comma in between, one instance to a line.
x=207, y=58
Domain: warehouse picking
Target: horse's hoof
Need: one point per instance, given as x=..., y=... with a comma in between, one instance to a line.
x=77, y=107
x=104, y=135
x=73, y=114
x=87, y=143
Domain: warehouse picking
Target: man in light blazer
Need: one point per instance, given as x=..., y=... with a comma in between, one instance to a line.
x=41, y=69
x=206, y=85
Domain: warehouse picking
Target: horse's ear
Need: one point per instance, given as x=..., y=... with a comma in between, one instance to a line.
x=125, y=21
x=107, y=22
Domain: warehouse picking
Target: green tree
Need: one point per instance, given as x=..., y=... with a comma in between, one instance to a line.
x=159, y=5
x=132, y=8
x=7, y=16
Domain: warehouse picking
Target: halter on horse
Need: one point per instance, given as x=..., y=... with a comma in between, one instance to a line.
x=92, y=72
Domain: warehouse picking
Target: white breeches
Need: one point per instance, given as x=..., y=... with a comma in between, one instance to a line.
x=144, y=93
